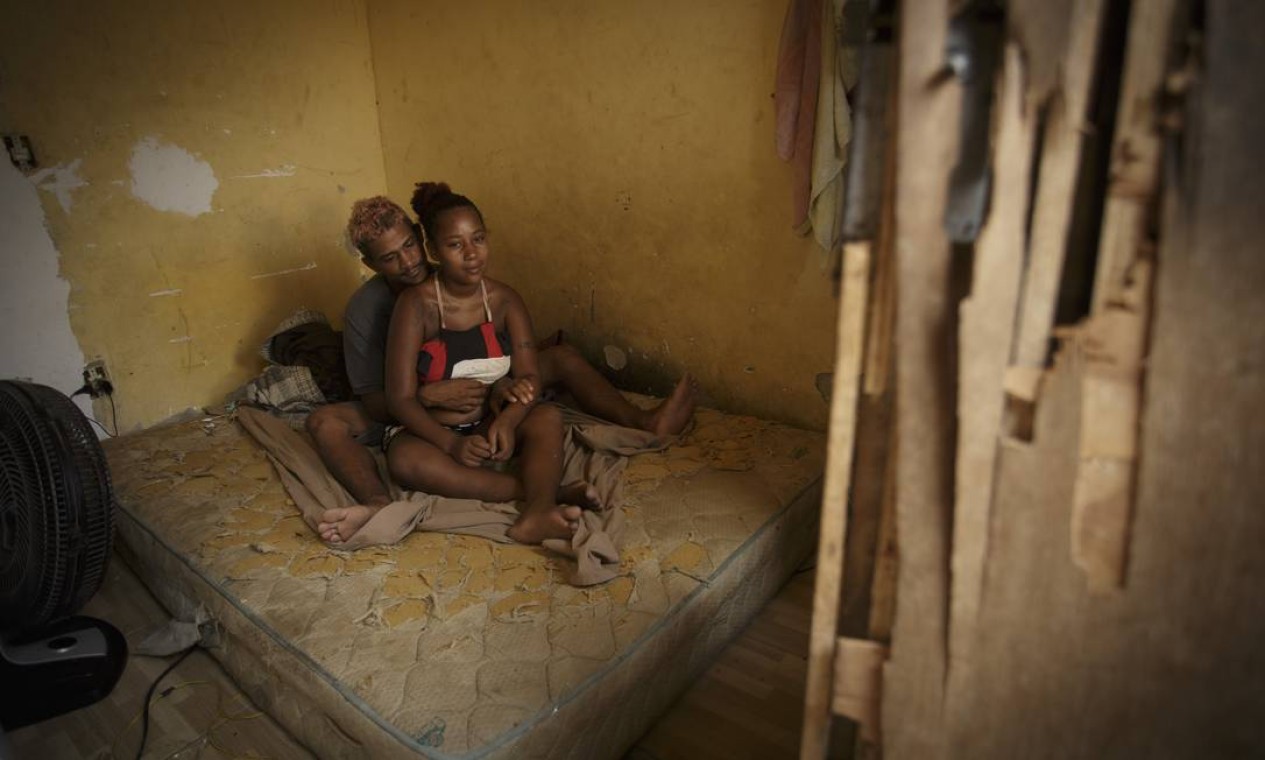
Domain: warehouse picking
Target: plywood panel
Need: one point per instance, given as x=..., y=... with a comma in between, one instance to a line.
x=926, y=141
x=987, y=328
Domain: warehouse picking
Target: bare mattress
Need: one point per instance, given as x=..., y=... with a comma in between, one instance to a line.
x=450, y=646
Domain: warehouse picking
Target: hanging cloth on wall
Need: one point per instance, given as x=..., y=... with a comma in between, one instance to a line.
x=795, y=97
x=813, y=119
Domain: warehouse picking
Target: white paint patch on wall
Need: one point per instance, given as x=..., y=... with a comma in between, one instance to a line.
x=170, y=178
x=37, y=342
x=60, y=180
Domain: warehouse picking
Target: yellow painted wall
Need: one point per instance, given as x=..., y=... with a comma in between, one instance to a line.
x=283, y=89
x=622, y=153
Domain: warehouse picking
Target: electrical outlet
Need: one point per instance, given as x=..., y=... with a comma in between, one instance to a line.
x=20, y=152
x=96, y=379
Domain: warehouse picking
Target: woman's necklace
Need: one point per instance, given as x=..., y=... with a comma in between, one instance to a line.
x=457, y=307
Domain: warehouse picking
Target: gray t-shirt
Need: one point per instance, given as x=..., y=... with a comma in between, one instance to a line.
x=365, y=325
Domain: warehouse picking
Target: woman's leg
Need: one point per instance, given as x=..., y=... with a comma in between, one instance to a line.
x=539, y=445
x=419, y=465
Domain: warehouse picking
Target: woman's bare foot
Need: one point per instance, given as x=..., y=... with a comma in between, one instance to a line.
x=581, y=493
x=536, y=524
x=338, y=525
x=671, y=417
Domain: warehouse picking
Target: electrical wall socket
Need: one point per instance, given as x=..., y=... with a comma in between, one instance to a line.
x=20, y=152
x=97, y=379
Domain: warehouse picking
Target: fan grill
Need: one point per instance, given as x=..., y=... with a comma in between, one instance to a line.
x=57, y=512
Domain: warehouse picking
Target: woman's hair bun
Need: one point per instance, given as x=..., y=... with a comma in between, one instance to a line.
x=425, y=194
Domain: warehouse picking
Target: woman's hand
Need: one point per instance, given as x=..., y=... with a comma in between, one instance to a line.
x=509, y=390
x=501, y=436
x=469, y=450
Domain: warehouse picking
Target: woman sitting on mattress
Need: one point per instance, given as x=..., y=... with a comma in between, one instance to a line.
x=460, y=323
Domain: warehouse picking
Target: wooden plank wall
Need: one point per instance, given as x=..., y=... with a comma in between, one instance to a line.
x=1043, y=665
x=1172, y=664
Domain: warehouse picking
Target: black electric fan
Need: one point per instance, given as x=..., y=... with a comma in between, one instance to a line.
x=56, y=538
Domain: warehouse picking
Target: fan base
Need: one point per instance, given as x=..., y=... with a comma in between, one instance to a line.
x=64, y=666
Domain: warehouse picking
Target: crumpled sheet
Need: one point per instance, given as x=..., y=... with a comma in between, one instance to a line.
x=593, y=450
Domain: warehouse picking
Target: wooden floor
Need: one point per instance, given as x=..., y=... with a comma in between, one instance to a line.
x=748, y=705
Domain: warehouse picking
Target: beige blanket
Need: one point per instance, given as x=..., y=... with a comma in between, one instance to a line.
x=593, y=450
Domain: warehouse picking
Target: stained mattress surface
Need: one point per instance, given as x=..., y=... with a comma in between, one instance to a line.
x=453, y=646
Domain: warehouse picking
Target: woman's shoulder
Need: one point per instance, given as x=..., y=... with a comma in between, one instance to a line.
x=501, y=293
x=422, y=292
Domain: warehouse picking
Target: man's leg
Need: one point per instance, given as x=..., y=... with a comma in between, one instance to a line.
x=335, y=429
x=563, y=366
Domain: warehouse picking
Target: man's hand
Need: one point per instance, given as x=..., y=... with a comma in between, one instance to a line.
x=460, y=395
x=470, y=450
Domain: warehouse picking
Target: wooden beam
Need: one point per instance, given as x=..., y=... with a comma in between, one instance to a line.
x=849, y=347
x=1136, y=146
x=865, y=512
x=927, y=113
x=1062, y=144
x=1113, y=341
x=878, y=344
x=986, y=331
x=857, y=691
x=887, y=562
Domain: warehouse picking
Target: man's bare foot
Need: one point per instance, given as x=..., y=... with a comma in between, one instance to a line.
x=338, y=525
x=671, y=417
x=581, y=493
x=545, y=521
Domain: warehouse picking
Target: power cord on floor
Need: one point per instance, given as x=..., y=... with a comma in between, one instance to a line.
x=114, y=745
x=207, y=737
x=149, y=695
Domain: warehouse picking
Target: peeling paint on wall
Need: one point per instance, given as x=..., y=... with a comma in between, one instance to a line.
x=170, y=178
x=304, y=268
x=60, y=180
x=284, y=171
x=265, y=88
x=616, y=359
x=37, y=342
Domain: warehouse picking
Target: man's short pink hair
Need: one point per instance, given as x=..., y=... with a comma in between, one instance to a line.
x=370, y=218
